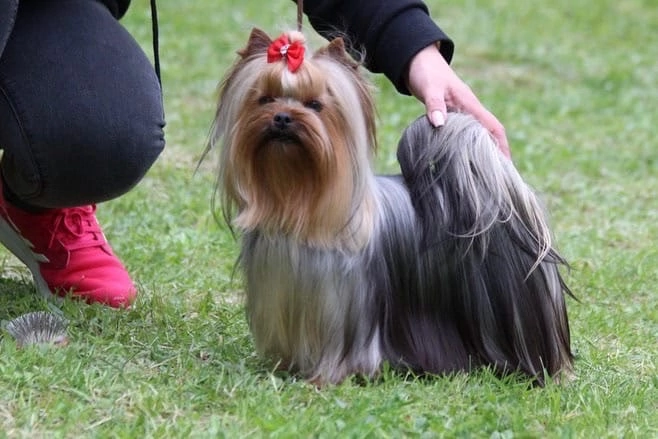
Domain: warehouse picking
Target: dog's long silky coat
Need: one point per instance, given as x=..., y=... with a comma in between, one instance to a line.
x=447, y=267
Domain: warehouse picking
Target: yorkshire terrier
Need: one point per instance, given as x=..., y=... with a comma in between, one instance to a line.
x=447, y=267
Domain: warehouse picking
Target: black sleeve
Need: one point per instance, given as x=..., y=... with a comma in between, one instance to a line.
x=390, y=31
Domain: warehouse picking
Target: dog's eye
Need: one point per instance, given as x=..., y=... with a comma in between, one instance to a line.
x=265, y=100
x=314, y=105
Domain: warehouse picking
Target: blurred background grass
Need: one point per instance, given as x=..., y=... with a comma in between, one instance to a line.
x=574, y=82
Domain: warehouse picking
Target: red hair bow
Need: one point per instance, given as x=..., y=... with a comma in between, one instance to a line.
x=282, y=48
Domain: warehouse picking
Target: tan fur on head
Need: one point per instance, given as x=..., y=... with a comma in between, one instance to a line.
x=309, y=182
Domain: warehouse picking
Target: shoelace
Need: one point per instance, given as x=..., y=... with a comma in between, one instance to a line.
x=79, y=223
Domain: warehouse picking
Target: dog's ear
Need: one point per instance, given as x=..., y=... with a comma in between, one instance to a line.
x=258, y=42
x=336, y=50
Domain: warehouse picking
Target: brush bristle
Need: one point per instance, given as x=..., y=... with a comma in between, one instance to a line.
x=38, y=327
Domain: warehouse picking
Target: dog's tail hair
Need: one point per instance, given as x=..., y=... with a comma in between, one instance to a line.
x=496, y=269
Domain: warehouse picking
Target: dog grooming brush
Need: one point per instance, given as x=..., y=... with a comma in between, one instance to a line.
x=40, y=327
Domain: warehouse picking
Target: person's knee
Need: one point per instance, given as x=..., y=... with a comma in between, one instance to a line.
x=131, y=158
x=76, y=132
x=94, y=166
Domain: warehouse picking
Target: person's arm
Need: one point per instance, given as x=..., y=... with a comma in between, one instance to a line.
x=402, y=41
x=391, y=32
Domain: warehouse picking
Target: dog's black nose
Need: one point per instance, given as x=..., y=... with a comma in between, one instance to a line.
x=282, y=120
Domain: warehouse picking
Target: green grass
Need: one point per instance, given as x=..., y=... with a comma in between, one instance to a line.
x=574, y=82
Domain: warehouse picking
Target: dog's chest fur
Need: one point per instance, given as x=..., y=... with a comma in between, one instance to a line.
x=311, y=306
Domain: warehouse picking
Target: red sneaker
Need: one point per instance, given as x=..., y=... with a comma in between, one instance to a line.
x=66, y=251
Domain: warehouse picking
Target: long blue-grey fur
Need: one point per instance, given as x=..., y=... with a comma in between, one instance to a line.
x=460, y=273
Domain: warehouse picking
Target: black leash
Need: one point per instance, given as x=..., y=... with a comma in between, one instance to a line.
x=300, y=14
x=156, y=43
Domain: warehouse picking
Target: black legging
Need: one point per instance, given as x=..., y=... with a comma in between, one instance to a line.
x=81, y=117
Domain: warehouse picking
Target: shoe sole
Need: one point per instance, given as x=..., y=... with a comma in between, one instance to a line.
x=16, y=244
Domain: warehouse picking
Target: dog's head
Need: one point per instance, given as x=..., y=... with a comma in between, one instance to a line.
x=297, y=130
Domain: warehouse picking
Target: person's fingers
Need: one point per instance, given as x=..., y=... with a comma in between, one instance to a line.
x=465, y=101
x=436, y=110
x=432, y=81
x=473, y=106
x=425, y=81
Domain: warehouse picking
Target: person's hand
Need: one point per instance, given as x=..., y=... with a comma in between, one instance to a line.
x=433, y=82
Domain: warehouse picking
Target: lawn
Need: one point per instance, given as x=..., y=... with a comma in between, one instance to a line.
x=576, y=84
